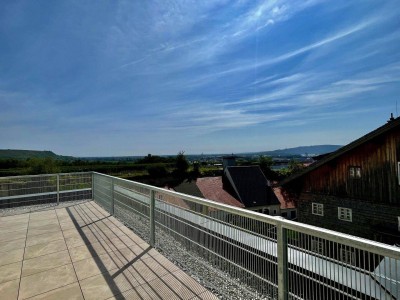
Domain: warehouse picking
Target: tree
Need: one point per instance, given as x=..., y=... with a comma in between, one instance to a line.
x=157, y=171
x=42, y=166
x=181, y=164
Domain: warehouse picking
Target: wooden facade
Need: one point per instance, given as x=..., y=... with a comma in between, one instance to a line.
x=362, y=176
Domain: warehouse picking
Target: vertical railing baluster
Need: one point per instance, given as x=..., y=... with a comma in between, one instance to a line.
x=152, y=215
x=58, y=189
x=282, y=248
x=112, y=197
x=93, y=186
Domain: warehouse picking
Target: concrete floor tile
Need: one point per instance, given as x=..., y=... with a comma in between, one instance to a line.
x=45, y=248
x=36, y=224
x=44, y=238
x=79, y=240
x=89, y=250
x=9, y=289
x=10, y=271
x=12, y=228
x=96, y=265
x=43, y=282
x=11, y=256
x=43, y=229
x=68, y=292
x=45, y=262
x=12, y=245
x=13, y=235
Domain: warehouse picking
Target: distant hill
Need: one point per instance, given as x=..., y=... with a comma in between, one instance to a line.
x=24, y=154
x=303, y=150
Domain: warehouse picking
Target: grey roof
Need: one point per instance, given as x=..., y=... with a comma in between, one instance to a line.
x=250, y=184
x=189, y=188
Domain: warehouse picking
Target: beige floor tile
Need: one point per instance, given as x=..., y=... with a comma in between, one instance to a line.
x=107, y=284
x=11, y=256
x=9, y=289
x=45, y=248
x=12, y=245
x=65, y=225
x=21, y=217
x=46, y=281
x=12, y=228
x=45, y=262
x=14, y=235
x=41, y=223
x=96, y=265
x=80, y=240
x=42, y=217
x=89, y=250
x=10, y=271
x=68, y=292
x=43, y=229
x=44, y=238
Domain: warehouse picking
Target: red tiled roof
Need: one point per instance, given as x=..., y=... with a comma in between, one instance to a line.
x=211, y=188
x=175, y=200
x=285, y=203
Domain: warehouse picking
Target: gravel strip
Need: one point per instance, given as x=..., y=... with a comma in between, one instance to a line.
x=38, y=207
x=218, y=282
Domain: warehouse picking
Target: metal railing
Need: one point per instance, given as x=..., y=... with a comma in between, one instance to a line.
x=268, y=257
x=47, y=188
x=226, y=247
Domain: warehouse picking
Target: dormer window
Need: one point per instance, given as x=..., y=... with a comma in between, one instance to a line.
x=355, y=172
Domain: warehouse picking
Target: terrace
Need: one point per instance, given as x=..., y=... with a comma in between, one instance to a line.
x=93, y=236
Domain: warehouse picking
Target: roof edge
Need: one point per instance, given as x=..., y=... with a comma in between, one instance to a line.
x=365, y=138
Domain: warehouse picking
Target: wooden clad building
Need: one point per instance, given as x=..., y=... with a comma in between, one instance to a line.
x=356, y=189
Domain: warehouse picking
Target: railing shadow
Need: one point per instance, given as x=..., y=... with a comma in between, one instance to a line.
x=157, y=285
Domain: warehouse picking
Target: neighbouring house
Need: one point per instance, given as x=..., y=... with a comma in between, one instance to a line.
x=241, y=186
x=356, y=189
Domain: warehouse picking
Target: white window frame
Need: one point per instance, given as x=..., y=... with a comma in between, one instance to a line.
x=355, y=172
x=345, y=214
x=347, y=256
x=317, y=209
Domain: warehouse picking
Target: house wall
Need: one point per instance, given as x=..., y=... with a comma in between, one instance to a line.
x=373, y=221
x=379, y=181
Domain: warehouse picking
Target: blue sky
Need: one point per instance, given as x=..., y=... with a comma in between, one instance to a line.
x=111, y=78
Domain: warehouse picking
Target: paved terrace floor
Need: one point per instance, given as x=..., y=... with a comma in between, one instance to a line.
x=81, y=252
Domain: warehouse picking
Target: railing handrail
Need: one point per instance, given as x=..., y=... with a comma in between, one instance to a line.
x=42, y=175
x=334, y=236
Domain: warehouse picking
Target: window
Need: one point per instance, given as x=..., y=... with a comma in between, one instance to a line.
x=344, y=214
x=347, y=256
x=317, y=246
x=318, y=209
x=355, y=172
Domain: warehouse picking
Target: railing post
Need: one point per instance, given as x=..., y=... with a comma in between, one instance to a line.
x=152, y=219
x=282, y=262
x=58, y=189
x=112, y=197
x=93, y=186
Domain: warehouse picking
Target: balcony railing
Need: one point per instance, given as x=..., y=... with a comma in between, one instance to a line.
x=268, y=257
